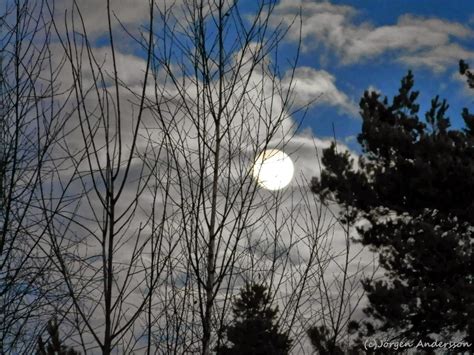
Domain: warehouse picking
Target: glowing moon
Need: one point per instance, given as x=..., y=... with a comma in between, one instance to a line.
x=273, y=169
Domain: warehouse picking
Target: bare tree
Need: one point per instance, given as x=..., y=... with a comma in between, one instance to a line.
x=219, y=102
x=220, y=106
x=106, y=228
x=30, y=123
x=152, y=217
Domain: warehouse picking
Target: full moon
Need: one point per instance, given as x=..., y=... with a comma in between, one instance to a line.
x=273, y=169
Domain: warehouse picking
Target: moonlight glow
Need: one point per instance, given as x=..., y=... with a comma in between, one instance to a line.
x=273, y=169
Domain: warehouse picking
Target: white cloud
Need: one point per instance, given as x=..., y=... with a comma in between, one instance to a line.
x=94, y=14
x=411, y=38
x=130, y=14
x=312, y=86
x=260, y=106
x=438, y=58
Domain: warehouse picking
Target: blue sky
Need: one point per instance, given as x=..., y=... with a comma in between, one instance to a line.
x=372, y=44
x=349, y=46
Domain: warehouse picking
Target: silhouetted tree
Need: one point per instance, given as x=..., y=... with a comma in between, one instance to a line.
x=136, y=179
x=54, y=346
x=323, y=342
x=255, y=330
x=413, y=188
x=30, y=124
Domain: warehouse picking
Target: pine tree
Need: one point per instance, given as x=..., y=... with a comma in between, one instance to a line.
x=255, y=330
x=54, y=347
x=413, y=188
x=322, y=341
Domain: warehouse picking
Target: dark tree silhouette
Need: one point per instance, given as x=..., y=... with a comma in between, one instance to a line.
x=54, y=346
x=414, y=189
x=255, y=330
x=323, y=342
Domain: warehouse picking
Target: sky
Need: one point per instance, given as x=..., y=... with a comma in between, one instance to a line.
x=348, y=46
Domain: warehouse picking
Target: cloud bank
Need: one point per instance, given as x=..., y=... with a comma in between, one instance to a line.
x=416, y=41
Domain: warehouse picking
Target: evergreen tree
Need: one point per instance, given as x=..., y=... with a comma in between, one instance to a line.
x=413, y=186
x=54, y=347
x=255, y=330
x=323, y=342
